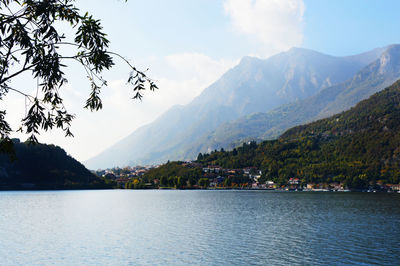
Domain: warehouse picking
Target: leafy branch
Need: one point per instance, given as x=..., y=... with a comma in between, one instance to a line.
x=30, y=42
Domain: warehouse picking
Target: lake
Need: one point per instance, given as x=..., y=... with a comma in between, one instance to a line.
x=172, y=227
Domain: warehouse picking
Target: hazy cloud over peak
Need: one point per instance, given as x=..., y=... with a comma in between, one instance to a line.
x=278, y=24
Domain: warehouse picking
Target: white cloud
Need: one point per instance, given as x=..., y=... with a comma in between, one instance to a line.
x=187, y=75
x=278, y=24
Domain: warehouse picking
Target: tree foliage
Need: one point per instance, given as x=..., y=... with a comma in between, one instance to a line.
x=174, y=174
x=204, y=182
x=31, y=41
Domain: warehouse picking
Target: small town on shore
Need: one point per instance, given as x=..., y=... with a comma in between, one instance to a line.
x=216, y=177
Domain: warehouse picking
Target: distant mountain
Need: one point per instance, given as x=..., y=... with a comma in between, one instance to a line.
x=359, y=148
x=42, y=166
x=254, y=85
x=259, y=126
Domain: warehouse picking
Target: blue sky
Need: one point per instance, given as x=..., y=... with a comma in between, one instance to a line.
x=159, y=27
x=188, y=44
x=343, y=27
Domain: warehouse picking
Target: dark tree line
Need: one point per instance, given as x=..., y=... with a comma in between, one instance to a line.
x=45, y=167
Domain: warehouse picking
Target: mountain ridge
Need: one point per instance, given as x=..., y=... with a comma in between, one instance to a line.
x=254, y=85
x=259, y=126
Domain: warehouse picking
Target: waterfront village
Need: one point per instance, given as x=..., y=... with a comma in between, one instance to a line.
x=216, y=177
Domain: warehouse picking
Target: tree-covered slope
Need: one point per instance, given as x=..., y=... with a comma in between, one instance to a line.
x=260, y=126
x=40, y=166
x=358, y=147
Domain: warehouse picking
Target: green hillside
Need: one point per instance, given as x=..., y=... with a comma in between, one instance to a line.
x=42, y=166
x=358, y=147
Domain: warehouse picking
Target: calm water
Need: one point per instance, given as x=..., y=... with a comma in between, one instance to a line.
x=122, y=227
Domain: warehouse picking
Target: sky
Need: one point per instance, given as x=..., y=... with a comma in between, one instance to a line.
x=186, y=45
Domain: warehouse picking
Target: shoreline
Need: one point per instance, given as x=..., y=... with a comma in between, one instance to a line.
x=205, y=189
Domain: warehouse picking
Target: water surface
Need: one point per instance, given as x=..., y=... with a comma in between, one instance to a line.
x=158, y=227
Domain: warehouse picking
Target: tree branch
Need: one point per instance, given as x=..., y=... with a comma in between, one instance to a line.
x=20, y=92
x=16, y=73
x=6, y=60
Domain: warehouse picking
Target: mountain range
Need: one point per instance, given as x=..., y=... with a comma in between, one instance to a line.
x=258, y=99
x=381, y=73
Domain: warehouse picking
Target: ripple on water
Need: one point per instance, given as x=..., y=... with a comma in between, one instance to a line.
x=198, y=228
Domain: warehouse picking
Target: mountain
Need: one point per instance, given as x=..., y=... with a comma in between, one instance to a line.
x=260, y=126
x=254, y=85
x=41, y=166
x=359, y=147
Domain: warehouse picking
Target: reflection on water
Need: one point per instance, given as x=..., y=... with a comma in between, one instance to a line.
x=122, y=227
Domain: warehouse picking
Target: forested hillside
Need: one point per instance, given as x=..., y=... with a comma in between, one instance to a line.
x=39, y=166
x=358, y=147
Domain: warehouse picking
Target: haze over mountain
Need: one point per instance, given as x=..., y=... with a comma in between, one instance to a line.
x=259, y=126
x=253, y=86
